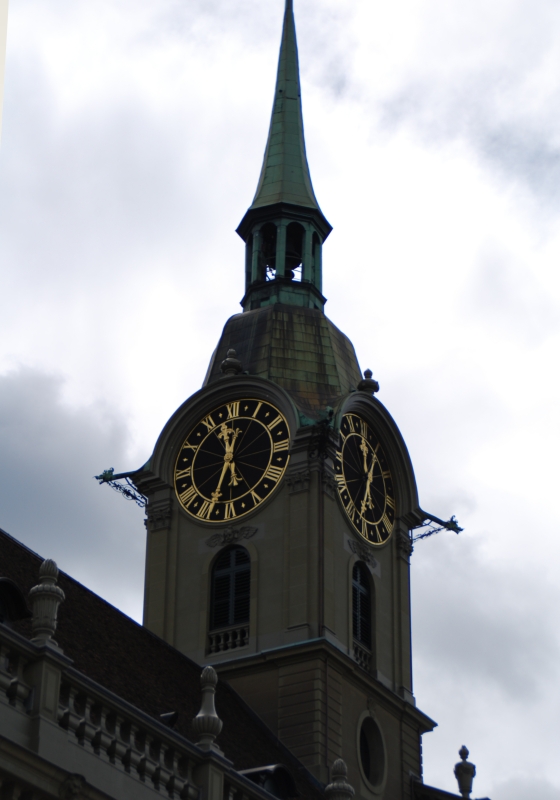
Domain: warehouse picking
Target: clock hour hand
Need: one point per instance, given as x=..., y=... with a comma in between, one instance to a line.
x=364, y=449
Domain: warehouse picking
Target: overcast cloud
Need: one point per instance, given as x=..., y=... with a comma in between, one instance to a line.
x=132, y=139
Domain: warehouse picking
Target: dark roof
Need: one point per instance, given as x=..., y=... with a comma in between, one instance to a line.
x=298, y=348
x=122, y=656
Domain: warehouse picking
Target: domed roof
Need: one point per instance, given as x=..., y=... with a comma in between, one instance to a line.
x=298, y=348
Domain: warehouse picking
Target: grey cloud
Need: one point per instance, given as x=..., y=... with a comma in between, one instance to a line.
x=475, y=621
x=49, y=500
x=493, y=84
x=525, y=788
x=507, y=296
x=518, y=148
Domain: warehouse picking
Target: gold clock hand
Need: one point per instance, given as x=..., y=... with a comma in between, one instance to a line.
x=364, y=449
x=234, y=479
x=366, y=500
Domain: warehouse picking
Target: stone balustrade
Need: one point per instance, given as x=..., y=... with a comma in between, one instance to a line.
x=128, y=740
x=228, y=639
x=118, y=736
x=362, y=655
x=12, y=668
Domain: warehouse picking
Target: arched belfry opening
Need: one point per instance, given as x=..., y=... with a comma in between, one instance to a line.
x=268, y=235
x=295, y=237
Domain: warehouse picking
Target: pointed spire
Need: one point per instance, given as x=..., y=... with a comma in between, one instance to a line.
x=284, y=229
x=285, y=174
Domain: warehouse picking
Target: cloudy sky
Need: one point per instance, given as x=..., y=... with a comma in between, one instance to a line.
x=132, y=139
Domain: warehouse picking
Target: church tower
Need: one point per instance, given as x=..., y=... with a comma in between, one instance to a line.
x=281, y=498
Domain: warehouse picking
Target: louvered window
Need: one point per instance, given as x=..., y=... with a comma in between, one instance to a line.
x=361, y=605
x=231, y=579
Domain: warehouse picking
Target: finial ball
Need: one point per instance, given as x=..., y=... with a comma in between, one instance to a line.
x=48, y=569
x=208, y=677
x=339, y=769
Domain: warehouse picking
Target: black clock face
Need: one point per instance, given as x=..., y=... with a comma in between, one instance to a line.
x=232, y=460
x=365, y=486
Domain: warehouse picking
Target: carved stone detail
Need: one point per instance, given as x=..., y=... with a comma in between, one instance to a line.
x=339, y=788
x=404, y=545
x=363, y=552
x=72, y=788
x=207, y=723
x=45, y=599
x=230, y=536
x=298, y=481
x=158, y=516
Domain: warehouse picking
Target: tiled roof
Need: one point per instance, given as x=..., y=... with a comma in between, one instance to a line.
x=116, y=652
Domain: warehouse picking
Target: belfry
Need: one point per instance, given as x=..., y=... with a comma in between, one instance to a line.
x=281, y=497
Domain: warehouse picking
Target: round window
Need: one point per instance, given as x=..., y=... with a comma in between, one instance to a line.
x=372, y=752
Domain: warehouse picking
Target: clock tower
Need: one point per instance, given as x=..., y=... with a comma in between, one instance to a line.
x=281, y=498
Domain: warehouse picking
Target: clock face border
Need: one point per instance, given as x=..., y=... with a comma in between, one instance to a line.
x=364, y=481
x=232, y=460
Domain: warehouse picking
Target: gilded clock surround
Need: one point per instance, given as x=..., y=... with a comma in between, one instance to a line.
x=232, y=460
x=364, y=481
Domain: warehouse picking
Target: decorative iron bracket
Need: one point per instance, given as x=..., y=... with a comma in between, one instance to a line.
x=128, y=489
x=435, y=525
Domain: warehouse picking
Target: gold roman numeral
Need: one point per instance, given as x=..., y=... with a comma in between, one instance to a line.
x=363, y=429
x=229, y=512
x=390, y=502
x=256, y=498
x=386, y=474
x=341, y=481
x=274, y=422
x=257, y=409
x=183, y=473
x=364, y=528
x=232, y=410
x=351, y=424
x=387, y=522
x=379, y=537
x=274, y=473
x=281, y=445
x=205, y=509
x=187, y=496
x=350, y=509
x=209, y=422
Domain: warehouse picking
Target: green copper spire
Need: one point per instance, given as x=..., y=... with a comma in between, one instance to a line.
x=285, y=174
x=284, y=229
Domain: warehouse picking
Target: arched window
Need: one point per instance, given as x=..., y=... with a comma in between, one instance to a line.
x=231, y=582
x=361, y=605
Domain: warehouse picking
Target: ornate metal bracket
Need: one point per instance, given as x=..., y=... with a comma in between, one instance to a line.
x=435, y=525
x=128, y=490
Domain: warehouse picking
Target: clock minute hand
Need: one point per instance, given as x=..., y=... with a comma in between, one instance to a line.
x=216, y=493
x=367, y=502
